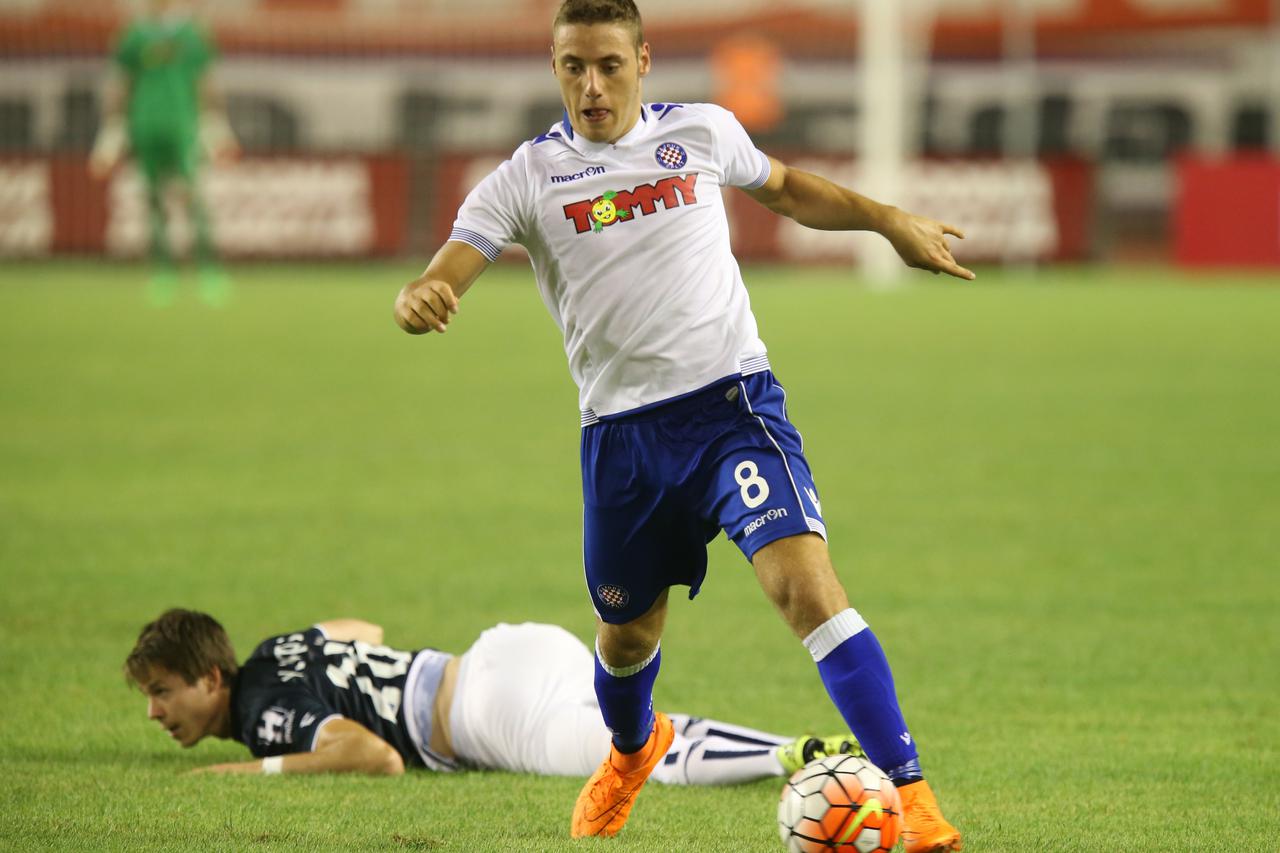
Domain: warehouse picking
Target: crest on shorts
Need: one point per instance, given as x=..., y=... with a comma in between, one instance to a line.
x=614, y=596
x=671, y=156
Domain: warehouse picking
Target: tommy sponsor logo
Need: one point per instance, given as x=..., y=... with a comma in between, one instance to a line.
x=614, y=596
x=771, y=515
x=596, y=214
x=577, y=176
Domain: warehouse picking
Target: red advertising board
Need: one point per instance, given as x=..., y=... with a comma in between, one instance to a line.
x=359, y=206
x=1228, y=212
x=270, y=207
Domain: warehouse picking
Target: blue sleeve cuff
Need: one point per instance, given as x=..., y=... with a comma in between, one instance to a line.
x=477, y=241
x=765, y=170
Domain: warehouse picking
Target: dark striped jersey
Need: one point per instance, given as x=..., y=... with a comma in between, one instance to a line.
x=293, y=683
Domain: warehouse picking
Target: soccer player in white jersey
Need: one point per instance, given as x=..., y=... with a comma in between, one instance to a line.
x=333, y=698
x=684, y=428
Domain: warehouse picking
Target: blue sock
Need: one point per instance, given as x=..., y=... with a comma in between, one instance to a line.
x=857, y=677
x=626, y=700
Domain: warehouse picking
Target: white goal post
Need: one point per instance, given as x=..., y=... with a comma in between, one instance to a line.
x=894, y=36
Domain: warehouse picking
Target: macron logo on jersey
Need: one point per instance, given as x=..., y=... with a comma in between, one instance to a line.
x=672, y=192
x=577, y=176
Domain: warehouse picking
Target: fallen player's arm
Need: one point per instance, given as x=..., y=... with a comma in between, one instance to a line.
x=818, y=203
x=351, y=630
x=342, y=746
x=428, y=302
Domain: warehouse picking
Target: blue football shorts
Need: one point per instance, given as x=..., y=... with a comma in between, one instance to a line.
x=659, y=483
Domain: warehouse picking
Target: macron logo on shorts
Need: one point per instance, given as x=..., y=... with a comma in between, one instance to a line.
x=771, y=515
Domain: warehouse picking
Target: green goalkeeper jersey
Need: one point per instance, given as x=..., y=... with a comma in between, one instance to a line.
x=164, y=60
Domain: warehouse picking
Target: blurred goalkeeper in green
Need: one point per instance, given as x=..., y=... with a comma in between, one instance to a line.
x=163, y=105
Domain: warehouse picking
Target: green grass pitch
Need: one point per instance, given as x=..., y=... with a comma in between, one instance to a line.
x=1056, y=499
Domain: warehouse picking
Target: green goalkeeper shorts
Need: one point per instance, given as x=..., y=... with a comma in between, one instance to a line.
x=162, y=155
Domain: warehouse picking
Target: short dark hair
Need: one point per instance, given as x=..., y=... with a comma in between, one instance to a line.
x=601, y=12
x=185, y=642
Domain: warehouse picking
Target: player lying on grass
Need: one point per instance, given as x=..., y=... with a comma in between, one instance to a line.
x=333, y=698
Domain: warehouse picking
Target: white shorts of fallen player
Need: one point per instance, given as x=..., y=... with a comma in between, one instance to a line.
x=525, y=702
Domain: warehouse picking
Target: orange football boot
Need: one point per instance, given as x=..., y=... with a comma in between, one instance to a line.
x=924, y=829
x=605, y=802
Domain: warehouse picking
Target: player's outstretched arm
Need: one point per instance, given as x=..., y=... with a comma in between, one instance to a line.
x=430, y=301
x=348, y=630
x=342, y=746
x=818, y=203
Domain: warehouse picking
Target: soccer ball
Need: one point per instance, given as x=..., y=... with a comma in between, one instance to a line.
x=841, y=802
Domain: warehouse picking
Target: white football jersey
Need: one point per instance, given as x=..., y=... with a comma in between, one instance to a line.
x=630, y=246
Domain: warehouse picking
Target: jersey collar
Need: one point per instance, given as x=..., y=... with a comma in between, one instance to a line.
x=586, y=146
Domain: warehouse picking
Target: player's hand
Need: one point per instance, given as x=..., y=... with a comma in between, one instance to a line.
x=922, y=243
x=228, y=151
x=100, y=168
x=108, y=148
x=425, y=305
x=104, y=159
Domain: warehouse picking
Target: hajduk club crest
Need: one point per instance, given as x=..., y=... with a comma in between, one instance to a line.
x=671, y=156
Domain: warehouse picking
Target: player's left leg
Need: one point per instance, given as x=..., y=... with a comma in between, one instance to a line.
x=713, y=752
x=697, y=728
x=716, y=761
x=796, y=573
x=773, y=514
x=215, y=287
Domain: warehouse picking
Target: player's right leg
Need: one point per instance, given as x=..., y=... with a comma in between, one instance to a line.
x=162, y=284
x=153, y=160
x=627, y=661
x=638, y=540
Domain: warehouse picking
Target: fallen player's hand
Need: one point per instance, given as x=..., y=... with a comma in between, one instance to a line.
x=425, y=305
x=922, y=243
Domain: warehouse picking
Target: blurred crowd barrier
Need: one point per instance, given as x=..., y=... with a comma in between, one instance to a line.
x=1111, y=131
